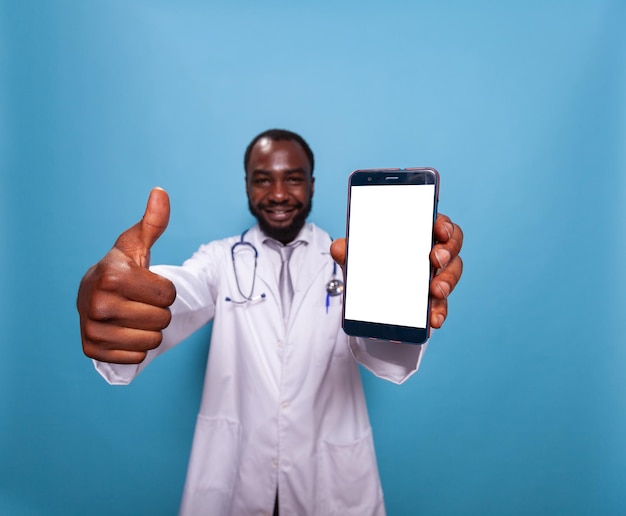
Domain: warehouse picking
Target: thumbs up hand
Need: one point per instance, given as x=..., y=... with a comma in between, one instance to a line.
x=123, y=307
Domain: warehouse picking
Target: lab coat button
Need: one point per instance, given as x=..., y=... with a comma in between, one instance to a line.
x=284, y=405
x=274, y=462
x=280, y=344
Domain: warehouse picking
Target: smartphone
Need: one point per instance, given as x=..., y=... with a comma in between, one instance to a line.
x=391, y=213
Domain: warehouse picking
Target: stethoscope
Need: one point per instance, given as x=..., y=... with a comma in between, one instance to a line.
x=333, y=288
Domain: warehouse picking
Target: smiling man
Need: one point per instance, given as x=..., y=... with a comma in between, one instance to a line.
x=283, y=425
x=279, y=183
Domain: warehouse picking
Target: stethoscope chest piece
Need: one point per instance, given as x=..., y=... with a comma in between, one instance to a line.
x=334, y=287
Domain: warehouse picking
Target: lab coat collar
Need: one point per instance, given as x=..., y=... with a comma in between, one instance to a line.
x=316, y=257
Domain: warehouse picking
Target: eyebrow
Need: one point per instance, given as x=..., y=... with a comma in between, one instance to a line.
x=261, y=171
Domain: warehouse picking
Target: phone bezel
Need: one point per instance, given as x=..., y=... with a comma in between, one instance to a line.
x=375, y=330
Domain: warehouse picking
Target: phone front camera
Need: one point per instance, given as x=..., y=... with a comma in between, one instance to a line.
x=369, y=178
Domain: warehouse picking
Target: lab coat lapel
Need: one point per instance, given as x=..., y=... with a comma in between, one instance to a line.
x=317, y=256
x=266, y=273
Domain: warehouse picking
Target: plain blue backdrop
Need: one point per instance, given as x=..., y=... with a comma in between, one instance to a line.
x=519, y=407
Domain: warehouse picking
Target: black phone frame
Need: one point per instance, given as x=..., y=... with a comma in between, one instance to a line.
x=391, y=176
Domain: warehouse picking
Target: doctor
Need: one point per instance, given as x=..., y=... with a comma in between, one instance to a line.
x=282, y=424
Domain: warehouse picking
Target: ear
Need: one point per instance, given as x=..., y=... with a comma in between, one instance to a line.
x=312, y=186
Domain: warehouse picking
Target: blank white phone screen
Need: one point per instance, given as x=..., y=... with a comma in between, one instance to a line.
x=390, y=239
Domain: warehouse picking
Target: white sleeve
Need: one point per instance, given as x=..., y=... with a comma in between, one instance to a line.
x=395, y=362
x=193, y=307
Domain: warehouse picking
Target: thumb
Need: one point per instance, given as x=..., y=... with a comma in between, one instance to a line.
x=338, y=251
x=156, y=217
x=136, y=241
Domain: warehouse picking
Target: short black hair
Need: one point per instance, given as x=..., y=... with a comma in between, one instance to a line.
x=276, y=135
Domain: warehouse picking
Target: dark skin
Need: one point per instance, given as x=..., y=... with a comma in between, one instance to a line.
x=124, y=308
x=280, y=186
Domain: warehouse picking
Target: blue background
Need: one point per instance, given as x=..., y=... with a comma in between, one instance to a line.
x=520, y=404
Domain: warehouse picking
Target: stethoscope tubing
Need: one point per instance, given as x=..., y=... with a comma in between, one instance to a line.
x=334, y=287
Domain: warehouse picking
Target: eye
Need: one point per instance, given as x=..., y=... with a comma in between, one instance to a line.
x=260, y=181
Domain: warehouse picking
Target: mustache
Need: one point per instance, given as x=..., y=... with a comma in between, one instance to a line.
x=286, y=234
x=274, y=204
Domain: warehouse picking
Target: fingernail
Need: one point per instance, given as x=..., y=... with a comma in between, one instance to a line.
x=438, y=320
x=449, y=229
x=443, y=257
x=444, y=288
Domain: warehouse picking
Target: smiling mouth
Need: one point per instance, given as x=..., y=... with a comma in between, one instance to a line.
x=279, y=214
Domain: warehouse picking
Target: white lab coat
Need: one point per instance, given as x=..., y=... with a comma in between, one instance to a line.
x=282, y=406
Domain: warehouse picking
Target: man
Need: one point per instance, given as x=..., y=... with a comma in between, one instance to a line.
x=283, y=422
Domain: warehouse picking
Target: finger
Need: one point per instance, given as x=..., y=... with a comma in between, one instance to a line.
x=338, y=251
x=156, y=290
x=114, y=356
x=129, y=314
x=101, y=338
x=445, y=280
x=443, y=228
x=136, y=241
x=438, y=312
x=121, y=275
x=445, y=250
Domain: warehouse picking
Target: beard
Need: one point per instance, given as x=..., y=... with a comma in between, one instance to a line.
x=283, y=234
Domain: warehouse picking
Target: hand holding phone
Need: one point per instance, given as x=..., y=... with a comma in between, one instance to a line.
x=390, y=220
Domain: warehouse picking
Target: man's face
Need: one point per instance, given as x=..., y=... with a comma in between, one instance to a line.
x=279, y=187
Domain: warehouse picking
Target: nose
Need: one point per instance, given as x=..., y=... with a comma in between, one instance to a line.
x=278, y=192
